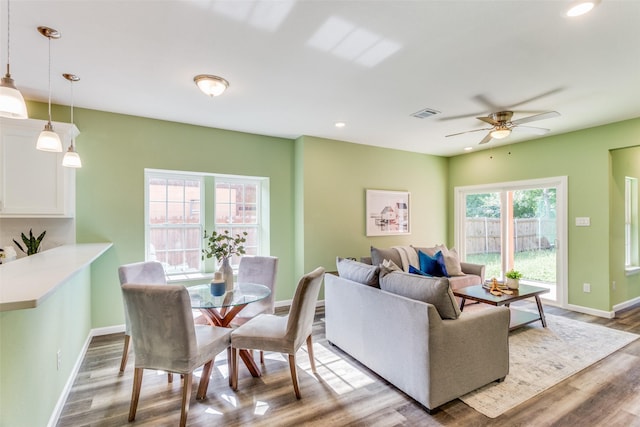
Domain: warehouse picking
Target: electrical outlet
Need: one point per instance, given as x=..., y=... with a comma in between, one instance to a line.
x=586, y=287
x=58, y=359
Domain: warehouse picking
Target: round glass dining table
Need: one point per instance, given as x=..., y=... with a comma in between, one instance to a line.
x=220, y=310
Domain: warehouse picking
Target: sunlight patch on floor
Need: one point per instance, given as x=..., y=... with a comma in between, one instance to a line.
x=261, y=408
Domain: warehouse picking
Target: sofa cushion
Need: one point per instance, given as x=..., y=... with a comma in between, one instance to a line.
x=358, y=272
x=432, y=290
x=379, y=254
x=451, y=261
x=414, y=270
x=387, y=267
x=429, y=264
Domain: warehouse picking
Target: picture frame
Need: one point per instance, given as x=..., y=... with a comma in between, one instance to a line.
x=387, y=212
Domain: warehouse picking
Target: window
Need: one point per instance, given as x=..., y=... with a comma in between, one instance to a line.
x=179, y=206
x=174, y=224
x=630, y=222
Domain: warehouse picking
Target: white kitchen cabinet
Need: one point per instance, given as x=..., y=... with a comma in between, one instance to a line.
x=34, y=183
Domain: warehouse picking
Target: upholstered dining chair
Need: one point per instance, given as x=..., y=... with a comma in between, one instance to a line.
x=165, y=338
x=283, y=334
x=144, y=273
x=261, y=270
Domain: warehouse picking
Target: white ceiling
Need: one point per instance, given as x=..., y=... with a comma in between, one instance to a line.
x=297, y=67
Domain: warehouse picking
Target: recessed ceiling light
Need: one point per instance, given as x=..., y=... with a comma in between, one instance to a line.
x=468, y=148
x=340, y=124
x=581, y=7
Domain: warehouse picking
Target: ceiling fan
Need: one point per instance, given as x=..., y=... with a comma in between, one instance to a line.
x=502, y=125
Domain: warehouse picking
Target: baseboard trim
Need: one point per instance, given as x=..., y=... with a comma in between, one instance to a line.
x=57, y=410
x=591, y=311
x=626, y=304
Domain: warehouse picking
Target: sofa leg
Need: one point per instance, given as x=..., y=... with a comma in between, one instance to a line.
x=431, y=411
x=499, y=380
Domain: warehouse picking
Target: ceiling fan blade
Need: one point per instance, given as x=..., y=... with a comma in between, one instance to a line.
x=488, y=120
x=541, y=116
x=467, y=131
x=486, y=139
x=531, y=129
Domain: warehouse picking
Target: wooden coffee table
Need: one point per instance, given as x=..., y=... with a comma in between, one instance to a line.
x=518, y=317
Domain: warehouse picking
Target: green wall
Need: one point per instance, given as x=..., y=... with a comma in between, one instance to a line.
x=336, y=175
x=584, y=157
x=29, y=341
x=624, y=162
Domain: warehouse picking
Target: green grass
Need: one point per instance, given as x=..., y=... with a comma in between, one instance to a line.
x=534, y=265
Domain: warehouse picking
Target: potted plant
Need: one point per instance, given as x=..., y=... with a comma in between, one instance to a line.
x=513, y=279
x=223, y=246
x=32, y=243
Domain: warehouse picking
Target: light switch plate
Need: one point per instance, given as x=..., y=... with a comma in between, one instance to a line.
x=583, y=221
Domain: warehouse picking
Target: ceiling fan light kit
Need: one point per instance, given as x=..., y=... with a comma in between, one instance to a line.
x=502, y=125
x=211, y=85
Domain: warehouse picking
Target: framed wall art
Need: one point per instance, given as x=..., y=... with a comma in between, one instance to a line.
x=387, y=213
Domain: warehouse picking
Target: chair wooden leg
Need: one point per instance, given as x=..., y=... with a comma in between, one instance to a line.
x=229, y=364
x=234, y=368
x=125, y=353
x=312, y=360
x=170, y=377
x=186, y=397
x=262, y=357
x=294, y=374
x=135, y=394
x=204, y=380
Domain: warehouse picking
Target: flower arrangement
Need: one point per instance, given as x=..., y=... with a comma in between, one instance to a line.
x=223, y=245
x=513, y=274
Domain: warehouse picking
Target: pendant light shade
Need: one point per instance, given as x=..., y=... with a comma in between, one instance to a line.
x=12, y=103
x=71, y=158
x=49, y=139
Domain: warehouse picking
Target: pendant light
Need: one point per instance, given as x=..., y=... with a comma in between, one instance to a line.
x=12, y=103
x=48, y=139
x=71, y=158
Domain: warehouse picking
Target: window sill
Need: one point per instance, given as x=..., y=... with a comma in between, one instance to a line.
x=631, y=271
x=188, y=277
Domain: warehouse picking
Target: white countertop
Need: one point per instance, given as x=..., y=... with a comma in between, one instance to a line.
x=26, y=282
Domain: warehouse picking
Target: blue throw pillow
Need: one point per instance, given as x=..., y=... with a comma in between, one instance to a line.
x=440, y=260
x=414, y=270
x=429, y=264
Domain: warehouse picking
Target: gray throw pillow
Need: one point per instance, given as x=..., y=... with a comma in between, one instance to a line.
x=380, y=254
x=358, y=272
x=432, y=290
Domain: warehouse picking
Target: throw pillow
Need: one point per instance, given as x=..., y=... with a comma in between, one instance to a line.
x=387, y=267
x=451, y=261
x=432, y=290
x=429, y=264
x=379, y=254
x=439, y=256
x=414, y=270
x=358, y=272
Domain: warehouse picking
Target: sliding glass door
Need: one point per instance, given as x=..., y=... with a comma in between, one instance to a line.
x=517, y=226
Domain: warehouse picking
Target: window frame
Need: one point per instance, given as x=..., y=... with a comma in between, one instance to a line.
x=208, y=185
x=630, y=223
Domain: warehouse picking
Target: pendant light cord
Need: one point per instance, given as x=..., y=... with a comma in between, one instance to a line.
x=72, y=137
x=49, y=37
x=8, y=36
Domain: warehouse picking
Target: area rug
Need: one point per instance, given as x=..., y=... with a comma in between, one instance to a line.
x=541, y=357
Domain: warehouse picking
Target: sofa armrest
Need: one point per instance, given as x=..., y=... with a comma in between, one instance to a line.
x=470, y=351
x=476, y=269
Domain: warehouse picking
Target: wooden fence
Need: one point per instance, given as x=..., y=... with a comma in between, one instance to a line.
x=483, y=234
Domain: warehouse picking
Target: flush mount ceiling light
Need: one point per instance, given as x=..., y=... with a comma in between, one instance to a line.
x=500, y=132
x=71, y=158
x=581, y=7
x=211, y=85
x=48, y=139
x=340, y=124
x=12, y=103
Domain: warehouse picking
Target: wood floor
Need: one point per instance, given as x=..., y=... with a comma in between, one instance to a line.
x=344, y=393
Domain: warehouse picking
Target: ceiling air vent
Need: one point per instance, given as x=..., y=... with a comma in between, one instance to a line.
x=427, y=112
